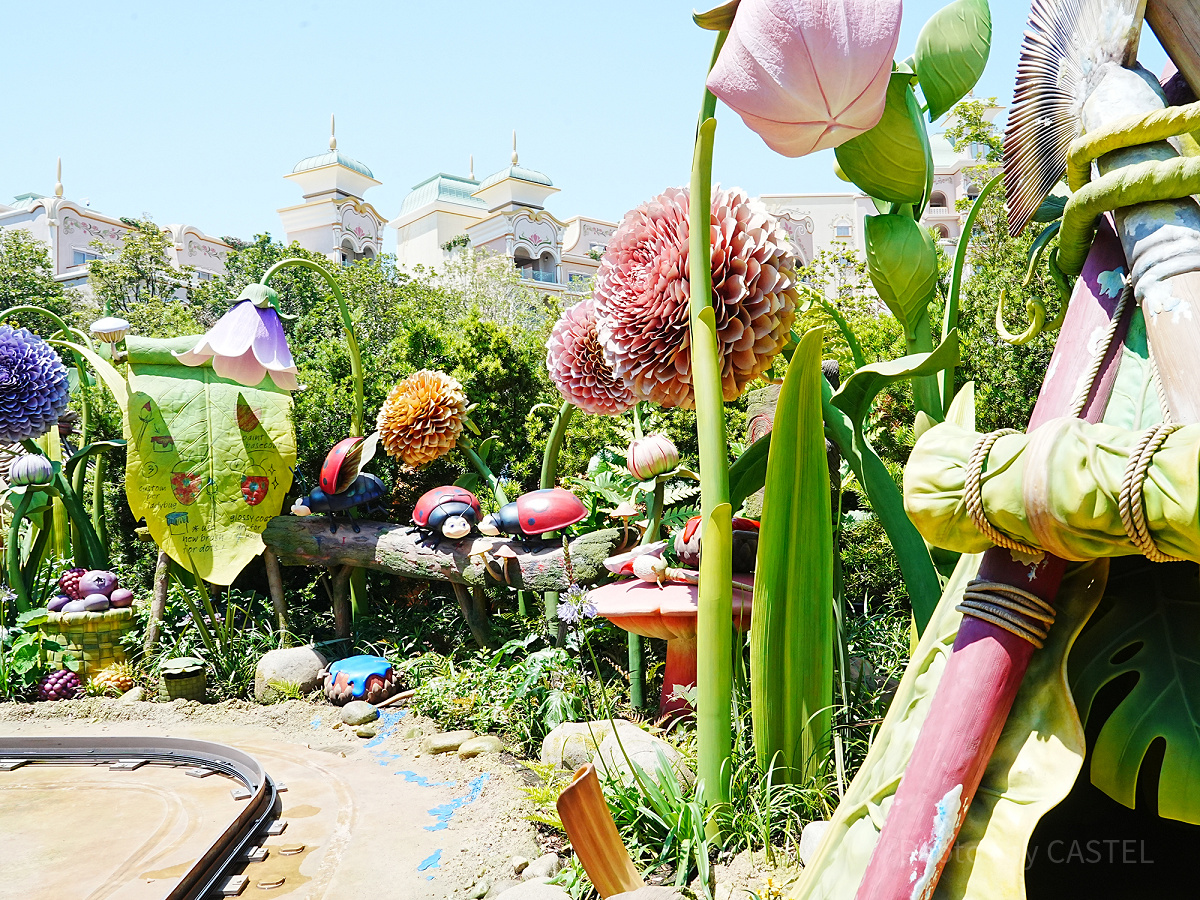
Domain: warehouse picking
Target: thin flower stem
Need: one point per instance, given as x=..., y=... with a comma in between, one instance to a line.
x=715, y=601
x=482, y=468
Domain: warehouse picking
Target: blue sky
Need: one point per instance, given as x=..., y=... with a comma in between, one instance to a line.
x=193, y=112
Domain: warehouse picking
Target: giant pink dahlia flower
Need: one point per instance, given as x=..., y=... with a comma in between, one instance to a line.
x=578, y=366
x=642, y=295
x=806, y=75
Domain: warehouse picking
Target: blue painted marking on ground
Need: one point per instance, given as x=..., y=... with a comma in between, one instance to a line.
x=425, y=782
x=388, y=721
x=443, y=813
x=316, y=723
x=432, y=862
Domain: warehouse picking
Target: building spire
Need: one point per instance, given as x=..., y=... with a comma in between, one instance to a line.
x=472, y=167
x=514, y=156
x=58, y=188
x=332, y=133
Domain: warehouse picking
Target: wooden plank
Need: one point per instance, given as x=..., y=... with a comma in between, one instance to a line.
x=1176, y=24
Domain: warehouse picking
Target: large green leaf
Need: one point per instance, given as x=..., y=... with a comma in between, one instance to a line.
x=952, y=50
x=791, y=629
x=208, y=461
x=1032, y=768
x=891, y=161
x=1149, y=627
x=903, y=262
x=844, y=414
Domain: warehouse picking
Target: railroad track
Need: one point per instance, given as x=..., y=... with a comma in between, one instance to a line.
x=210, y=875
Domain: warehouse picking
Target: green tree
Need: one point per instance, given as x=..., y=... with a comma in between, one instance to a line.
x=27, y=274
x=139, y=270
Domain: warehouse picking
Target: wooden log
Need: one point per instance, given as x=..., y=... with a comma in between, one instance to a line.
x=1176, y=24
x=158, y=601
x=278, y=601
x=474, y=609
x=341, y=601
x=400, y=550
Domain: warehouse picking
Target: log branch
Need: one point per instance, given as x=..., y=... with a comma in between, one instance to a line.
x=477, y=561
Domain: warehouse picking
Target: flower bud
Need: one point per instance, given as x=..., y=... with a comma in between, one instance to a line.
x=651, y=456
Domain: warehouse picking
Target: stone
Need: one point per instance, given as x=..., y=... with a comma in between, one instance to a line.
x=133, y=695
x=519, y=864
x=298, y=667
x=359, y=712
x=810, y=839
x=501, y=886
x=534, y=891
x=366, y=731
x=480, y=890
x=476, y=746
x=643, y=748
x=446, y=742
x=572, y=744
x=411, y=733
x=545, y=866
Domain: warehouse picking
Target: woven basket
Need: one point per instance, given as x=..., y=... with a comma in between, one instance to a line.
x=187, y=685
x=92, y=638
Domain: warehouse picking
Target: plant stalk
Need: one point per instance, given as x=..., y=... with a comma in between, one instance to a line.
x=549, y=476
x=714, y=632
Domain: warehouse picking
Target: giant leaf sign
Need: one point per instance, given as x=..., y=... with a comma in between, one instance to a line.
x=208, y=461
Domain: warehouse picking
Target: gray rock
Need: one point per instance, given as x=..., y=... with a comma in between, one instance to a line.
x=476, y=746
x=133, y=695
x=519, y=864
x=810, y=839
x=482, y=886
x=298, y=667
x=545, y=866
x=613, y=755
x=412, y=732
x=572, y=744
x=359, y=712
x=499, y=887
x=366, y=731
x=534, y=891
x=446, y=742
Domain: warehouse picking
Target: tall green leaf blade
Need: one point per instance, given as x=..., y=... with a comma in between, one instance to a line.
x=891, y=161
x=791, y=630
x=952, y=51
x=844, y=414
x=1148, y=627
x=903, y=262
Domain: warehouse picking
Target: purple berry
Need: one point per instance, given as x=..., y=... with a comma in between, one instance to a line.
x=97, y=582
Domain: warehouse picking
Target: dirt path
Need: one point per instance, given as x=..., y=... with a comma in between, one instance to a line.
x=377, y=818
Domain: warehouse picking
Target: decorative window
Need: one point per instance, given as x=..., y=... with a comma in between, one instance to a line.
x=844, y=232
x=83, y=257
x=938, y=199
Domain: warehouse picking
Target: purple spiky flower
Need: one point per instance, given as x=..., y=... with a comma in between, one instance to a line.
x=33, y=385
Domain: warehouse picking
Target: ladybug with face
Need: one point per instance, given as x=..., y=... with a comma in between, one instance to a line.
x=449, y=512
x=537, y=512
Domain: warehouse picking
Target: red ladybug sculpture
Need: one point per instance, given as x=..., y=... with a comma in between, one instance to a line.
x=535, y=513
x=450, y=510
x=345, y=461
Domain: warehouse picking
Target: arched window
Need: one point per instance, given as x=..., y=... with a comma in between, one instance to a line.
x=942, y=231
x=937, y=198
x=542, y=269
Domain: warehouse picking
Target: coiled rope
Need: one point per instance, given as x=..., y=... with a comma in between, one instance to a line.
x=1132, y=502
x=1017, y=611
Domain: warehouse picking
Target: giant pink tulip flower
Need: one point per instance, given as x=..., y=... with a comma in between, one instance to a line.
x=806, y=75
x=247, y=343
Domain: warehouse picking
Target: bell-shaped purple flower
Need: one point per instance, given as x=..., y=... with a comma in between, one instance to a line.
x=33, y=385
x=248, y=342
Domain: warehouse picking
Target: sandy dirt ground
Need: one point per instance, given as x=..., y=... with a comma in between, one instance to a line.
x=376, y=817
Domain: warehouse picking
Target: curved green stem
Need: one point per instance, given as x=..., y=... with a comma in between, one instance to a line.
x=482, y=468
x=356, y=370
x=93, y=554
x=554, y=446
x=856, y=351
x=714, y=632
x=13, y=552
x=950, y=316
